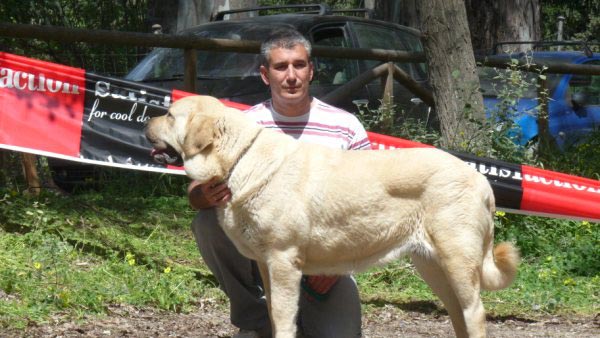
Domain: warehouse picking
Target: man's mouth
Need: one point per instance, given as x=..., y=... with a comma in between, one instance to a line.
x=167, y=156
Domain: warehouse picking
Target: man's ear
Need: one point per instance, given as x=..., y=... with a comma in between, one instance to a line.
x=200, y=134
x=264, y=74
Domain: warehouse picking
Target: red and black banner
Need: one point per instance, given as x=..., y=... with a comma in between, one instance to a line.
x=64, y=112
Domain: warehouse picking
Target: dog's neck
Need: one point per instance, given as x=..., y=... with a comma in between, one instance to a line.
x=241, y=154
x=260, y=160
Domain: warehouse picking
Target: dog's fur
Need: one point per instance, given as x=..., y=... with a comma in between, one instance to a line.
x=298, y=208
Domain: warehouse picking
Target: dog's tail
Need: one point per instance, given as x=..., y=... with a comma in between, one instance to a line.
x=500, y=263
x=500, y=267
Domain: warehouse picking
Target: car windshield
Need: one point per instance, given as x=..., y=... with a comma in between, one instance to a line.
x=167, y=64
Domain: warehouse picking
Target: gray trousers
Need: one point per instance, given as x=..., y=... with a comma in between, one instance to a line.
x=336, y=316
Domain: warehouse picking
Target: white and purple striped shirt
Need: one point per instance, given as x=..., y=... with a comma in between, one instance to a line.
x=324, y=124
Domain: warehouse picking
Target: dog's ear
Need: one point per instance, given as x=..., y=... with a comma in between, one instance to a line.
x=200, y=134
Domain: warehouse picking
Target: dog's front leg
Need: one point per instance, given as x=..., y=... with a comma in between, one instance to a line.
x=283, y=293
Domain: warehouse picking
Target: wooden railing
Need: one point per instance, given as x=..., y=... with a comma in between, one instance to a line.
x=190, y=44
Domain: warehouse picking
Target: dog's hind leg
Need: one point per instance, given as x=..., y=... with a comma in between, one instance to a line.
x=461, y=266
x=435, y=277
x=264, y=275
x=465, y=281
x=284, y=293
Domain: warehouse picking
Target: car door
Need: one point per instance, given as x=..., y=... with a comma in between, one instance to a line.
x=372, y=36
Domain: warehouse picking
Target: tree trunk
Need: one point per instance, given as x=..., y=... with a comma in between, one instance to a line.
x=494, y=21
x=490, y=21
x=452, y=73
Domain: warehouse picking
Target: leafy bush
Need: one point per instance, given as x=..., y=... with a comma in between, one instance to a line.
x=571, y=246
x=581, y=158
x=386, y=119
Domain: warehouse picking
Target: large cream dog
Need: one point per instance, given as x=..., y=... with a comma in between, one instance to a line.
x=300, y=209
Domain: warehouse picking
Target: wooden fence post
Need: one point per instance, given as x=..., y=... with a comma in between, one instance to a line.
x=31, y=174
x=189, y=72
x=388, y=89
x=545, y=141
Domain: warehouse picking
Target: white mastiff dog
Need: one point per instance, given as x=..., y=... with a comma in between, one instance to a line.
x=298, y=208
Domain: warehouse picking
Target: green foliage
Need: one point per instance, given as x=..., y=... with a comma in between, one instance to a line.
x=127, y=15
x=582, y=19
x=581, y=158
x=572, y=246
x=120, y=182
x=386, y=119
x=508, y=86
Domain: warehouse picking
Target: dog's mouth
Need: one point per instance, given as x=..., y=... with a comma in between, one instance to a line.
x=167, y=156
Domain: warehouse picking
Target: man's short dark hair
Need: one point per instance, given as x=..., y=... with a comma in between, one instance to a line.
x=286, y=38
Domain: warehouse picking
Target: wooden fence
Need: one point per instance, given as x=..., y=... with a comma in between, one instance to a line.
x=190, y=44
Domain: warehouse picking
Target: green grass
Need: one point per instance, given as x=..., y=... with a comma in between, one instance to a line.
x=76, y=255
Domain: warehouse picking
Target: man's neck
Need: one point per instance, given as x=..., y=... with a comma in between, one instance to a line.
x=295, y=110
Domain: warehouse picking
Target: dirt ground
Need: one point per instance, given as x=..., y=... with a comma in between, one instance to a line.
x=211, y=320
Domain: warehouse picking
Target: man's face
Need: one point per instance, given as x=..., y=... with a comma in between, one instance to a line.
x=289, y=74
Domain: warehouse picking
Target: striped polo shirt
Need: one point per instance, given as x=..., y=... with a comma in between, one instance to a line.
x=324, y=124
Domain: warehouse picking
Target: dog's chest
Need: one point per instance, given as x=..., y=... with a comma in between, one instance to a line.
x=242, y=231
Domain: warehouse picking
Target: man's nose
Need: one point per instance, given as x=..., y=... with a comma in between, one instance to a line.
x=291, y=73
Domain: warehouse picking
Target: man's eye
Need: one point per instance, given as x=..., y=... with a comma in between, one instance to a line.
x=300, y=65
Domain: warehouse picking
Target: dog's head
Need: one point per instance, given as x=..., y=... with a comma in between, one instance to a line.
x=192, y=133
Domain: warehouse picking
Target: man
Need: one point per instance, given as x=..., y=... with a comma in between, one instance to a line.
x=331, y=306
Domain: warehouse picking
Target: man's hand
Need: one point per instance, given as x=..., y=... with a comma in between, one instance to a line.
x=211, y=194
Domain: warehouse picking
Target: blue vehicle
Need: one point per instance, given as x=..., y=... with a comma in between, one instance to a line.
x=574, y=100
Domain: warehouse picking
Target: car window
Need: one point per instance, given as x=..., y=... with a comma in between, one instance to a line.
x=585, y=89
x=167, y=64
x=376, y=37
x=330, y=71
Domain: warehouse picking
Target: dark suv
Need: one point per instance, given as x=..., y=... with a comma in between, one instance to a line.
x=235, y=76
